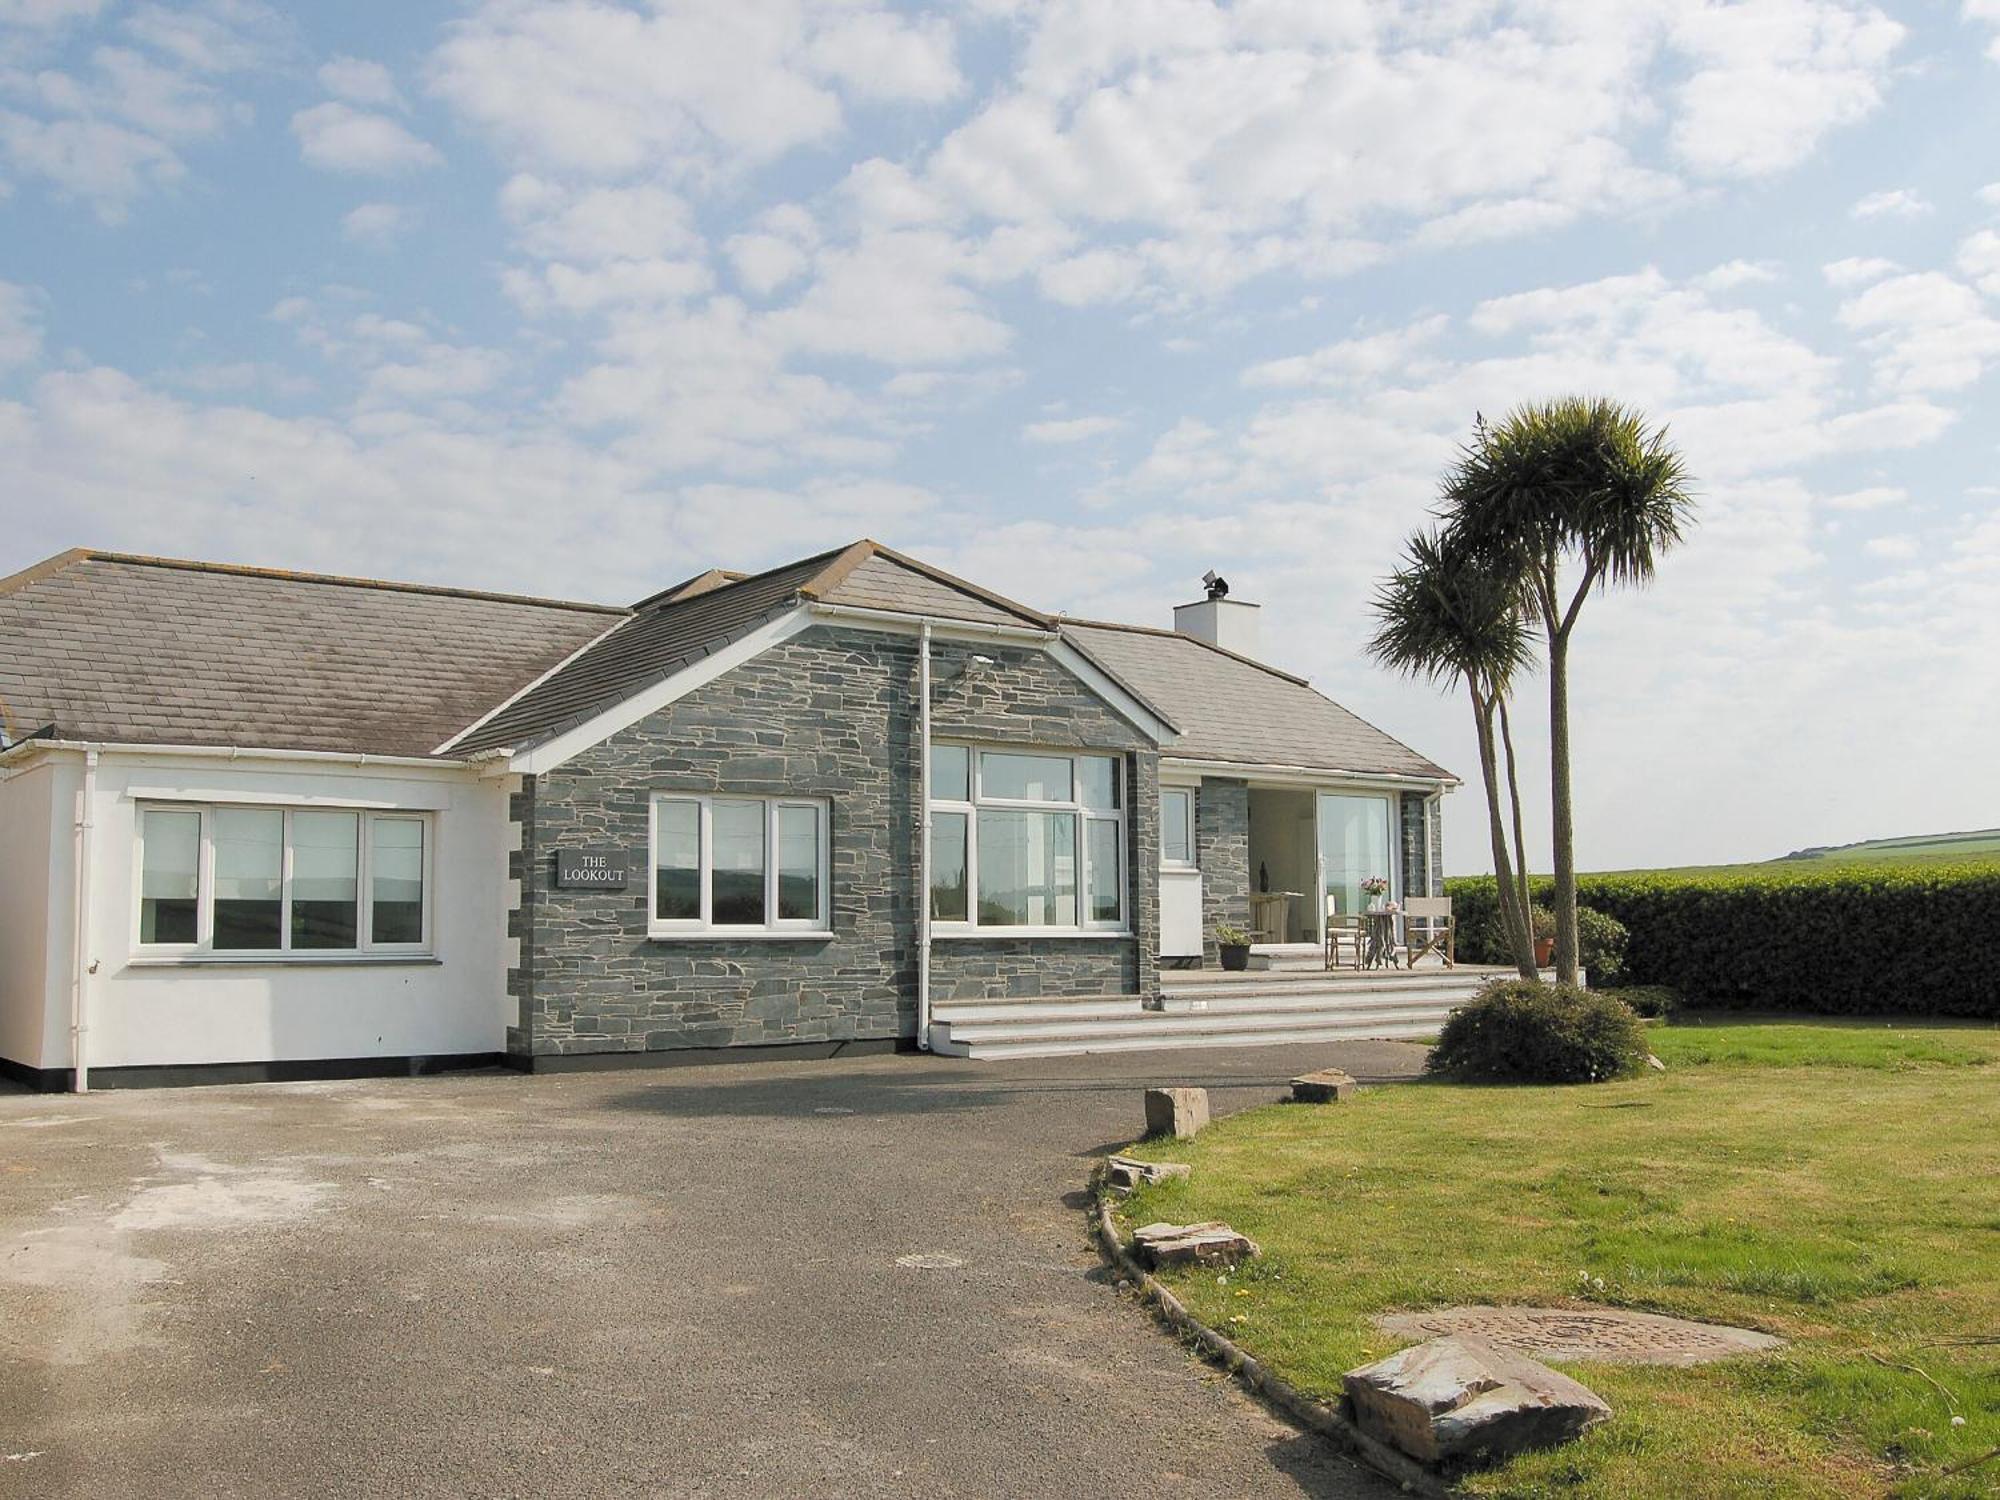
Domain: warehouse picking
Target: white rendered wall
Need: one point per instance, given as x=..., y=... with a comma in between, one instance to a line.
x=144, y=1012
x=37, y=887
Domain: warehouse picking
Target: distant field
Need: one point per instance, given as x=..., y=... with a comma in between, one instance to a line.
x=1981, y=846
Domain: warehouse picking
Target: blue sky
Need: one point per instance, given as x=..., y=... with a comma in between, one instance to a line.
x=1078, y=299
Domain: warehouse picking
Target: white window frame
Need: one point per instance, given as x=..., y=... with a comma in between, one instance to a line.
x=1084, y=816
x=819, y=925
x=1186, y=794
x=203, y=947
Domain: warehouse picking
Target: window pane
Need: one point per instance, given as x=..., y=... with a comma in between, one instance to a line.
x=326, y=886
x=798, y=864
x=249, y=877
x=1025, y=778
x=948, y=867
x=1353, y=844
x=1097, y=781
x=1176, y=841
x=170, y=879
x=1104, y=860
x=677, y=868
x=1027, y=869
x=396, y=881
x=738, y=896
x=951, y=769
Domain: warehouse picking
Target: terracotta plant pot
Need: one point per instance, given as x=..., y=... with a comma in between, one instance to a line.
x=1235, y=955
x=1545, y=951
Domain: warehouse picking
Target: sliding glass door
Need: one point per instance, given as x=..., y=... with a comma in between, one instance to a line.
x=1353, y=845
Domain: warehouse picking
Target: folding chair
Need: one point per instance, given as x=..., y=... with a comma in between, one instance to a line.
x=1438, y=932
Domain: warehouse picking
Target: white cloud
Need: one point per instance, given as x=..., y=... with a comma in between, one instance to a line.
x=1891, y=203
x=1878, y=497
x=20, y=327
x=337, y=137
x=1857, y=270
x=1926, y=331
x=555, y=221
x=112, y=127
x=378, y=225
x=1070, y=429
x=1892, y=548
x=47, y=14
x=1979, y=258
x=1773, y=77
x=1989, y=195
x=706, y=86
x=360, y=81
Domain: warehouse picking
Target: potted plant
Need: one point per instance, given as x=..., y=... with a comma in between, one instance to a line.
x=1545, y=936
x=1375, y=888
x=1234, y=944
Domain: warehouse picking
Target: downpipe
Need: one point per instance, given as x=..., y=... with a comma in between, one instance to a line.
x=924, y=837
x=83, y=966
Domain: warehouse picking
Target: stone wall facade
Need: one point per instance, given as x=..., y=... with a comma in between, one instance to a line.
x=1222, y=849
x=1422, y=844
x=832, y=714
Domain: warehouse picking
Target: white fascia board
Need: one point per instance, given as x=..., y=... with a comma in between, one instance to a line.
x=1114, y=693
x=528, y=687
x=546, y=757
x=1305, y=775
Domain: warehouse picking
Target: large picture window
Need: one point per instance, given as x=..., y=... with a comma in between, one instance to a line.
x=274, y=882
x=1026, y=841
x=738, y=866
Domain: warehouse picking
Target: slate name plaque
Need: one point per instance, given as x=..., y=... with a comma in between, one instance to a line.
x=590, y=869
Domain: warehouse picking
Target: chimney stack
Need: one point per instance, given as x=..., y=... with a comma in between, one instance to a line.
x=1219, y=619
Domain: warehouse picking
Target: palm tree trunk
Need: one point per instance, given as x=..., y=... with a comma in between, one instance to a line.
x=1512, y=917
x=1563, y=815
x=1520, y=843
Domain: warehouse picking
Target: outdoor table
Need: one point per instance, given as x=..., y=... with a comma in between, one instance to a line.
x=1378, y=948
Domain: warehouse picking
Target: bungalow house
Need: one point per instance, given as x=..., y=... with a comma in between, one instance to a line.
x=261, y=824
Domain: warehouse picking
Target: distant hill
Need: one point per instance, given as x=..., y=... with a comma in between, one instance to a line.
x=1981, y=843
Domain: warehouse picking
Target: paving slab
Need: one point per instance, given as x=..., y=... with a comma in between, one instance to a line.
x=857, y=1277
x=1603, y=1335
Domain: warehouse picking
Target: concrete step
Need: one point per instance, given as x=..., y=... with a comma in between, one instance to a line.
x=1166, y=1036
x=1449, y=988
x=1158, y=1023
x=1037, y=1008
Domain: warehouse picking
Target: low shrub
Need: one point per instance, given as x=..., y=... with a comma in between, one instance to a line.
x=1519, y=1031
x=1832, y=940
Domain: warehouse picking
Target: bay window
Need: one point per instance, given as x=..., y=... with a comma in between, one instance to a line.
x=274, y=882
x=738, y=866
x=1026, y=841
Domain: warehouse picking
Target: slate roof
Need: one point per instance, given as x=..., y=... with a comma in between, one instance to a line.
x=1230, y=708
x=140, y=650
x=697, y=618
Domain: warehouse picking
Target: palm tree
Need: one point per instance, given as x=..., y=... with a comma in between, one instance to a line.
x=1448, y=615
x=1566, y=497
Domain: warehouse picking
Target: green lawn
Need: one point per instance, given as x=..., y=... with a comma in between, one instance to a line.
x=1837, y=1183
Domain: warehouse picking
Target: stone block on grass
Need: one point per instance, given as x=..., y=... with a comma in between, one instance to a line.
x=1327, y=1086
x=1175, y=1111
x=1124, y=1172
x=1464, y=1399
x=1164, y=1246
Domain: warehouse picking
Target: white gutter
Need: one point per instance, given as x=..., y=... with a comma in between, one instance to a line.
x=1247, y=770
x=83, y=964
x=974, y=628
x=248, y=752
x=924, y=838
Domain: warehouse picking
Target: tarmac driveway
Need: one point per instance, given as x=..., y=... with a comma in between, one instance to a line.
x=673, y=1282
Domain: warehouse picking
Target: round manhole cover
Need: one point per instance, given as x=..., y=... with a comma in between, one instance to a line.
x=1585, y=1333
x=929, y=1260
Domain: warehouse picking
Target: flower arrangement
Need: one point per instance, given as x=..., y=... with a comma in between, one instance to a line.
x=1375, y=885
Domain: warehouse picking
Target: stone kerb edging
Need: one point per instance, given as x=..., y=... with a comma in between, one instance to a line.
x=1308, y=1411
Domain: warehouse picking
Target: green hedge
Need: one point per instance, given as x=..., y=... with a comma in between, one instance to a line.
x=1916, y=940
